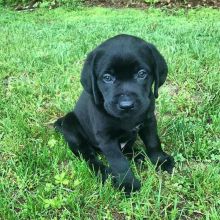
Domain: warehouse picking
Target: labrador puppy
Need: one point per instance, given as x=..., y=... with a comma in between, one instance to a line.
x=116, y=105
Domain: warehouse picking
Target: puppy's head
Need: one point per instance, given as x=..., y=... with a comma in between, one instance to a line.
x=119, y=74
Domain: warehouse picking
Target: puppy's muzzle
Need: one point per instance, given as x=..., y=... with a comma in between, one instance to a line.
x=125, y=103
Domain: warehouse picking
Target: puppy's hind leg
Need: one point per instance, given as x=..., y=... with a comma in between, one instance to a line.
x=72, y=132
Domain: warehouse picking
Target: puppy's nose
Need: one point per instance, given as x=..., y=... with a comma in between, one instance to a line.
x=126, y=104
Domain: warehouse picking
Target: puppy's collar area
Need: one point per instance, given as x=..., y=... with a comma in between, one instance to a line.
x=133, y=130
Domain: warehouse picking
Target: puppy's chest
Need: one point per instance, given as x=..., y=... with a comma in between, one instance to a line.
x=126, y=136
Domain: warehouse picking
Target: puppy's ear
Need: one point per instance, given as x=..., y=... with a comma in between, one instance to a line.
x=160, y=69
x=88, y=77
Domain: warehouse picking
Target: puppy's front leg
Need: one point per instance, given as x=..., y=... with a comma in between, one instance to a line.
x=152, y=143
x=122, y=174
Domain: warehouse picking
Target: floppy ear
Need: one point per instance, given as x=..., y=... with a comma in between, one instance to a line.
x=160, y=69
x=88, y=77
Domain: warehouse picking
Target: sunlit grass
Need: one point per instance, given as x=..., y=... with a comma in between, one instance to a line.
x=41, y=56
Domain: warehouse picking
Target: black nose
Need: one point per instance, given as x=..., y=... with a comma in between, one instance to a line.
x=126, y=105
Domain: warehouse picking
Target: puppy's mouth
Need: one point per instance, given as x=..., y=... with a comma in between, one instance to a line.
x=126, y=113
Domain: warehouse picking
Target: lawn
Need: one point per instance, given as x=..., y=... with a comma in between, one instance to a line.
x=41, y=56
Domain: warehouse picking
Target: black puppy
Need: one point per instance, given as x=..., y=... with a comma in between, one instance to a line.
x=117, y=103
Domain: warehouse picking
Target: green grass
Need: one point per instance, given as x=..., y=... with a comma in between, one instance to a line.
x=41, y=56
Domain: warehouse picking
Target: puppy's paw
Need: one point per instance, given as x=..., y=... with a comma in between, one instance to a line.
x=139, y=158
x=128, y=185
x=163, y=161
x=105, y=173
x=100, y=170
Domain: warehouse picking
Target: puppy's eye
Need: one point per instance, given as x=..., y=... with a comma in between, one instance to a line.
x=107, y=78
x=142, y=74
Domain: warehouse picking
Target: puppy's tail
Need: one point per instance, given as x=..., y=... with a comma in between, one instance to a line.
x=58, y=124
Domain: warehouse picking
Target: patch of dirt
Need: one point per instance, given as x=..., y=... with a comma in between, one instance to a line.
x=159, y=4
x=141, y=4
x=117, y=215
x=171, y=88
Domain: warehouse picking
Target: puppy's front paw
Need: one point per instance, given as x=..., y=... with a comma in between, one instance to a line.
x=163, y=161
x=128, y=185
x=105, y=173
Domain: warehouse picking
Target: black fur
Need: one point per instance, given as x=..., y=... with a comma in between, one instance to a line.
x=116, y=105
